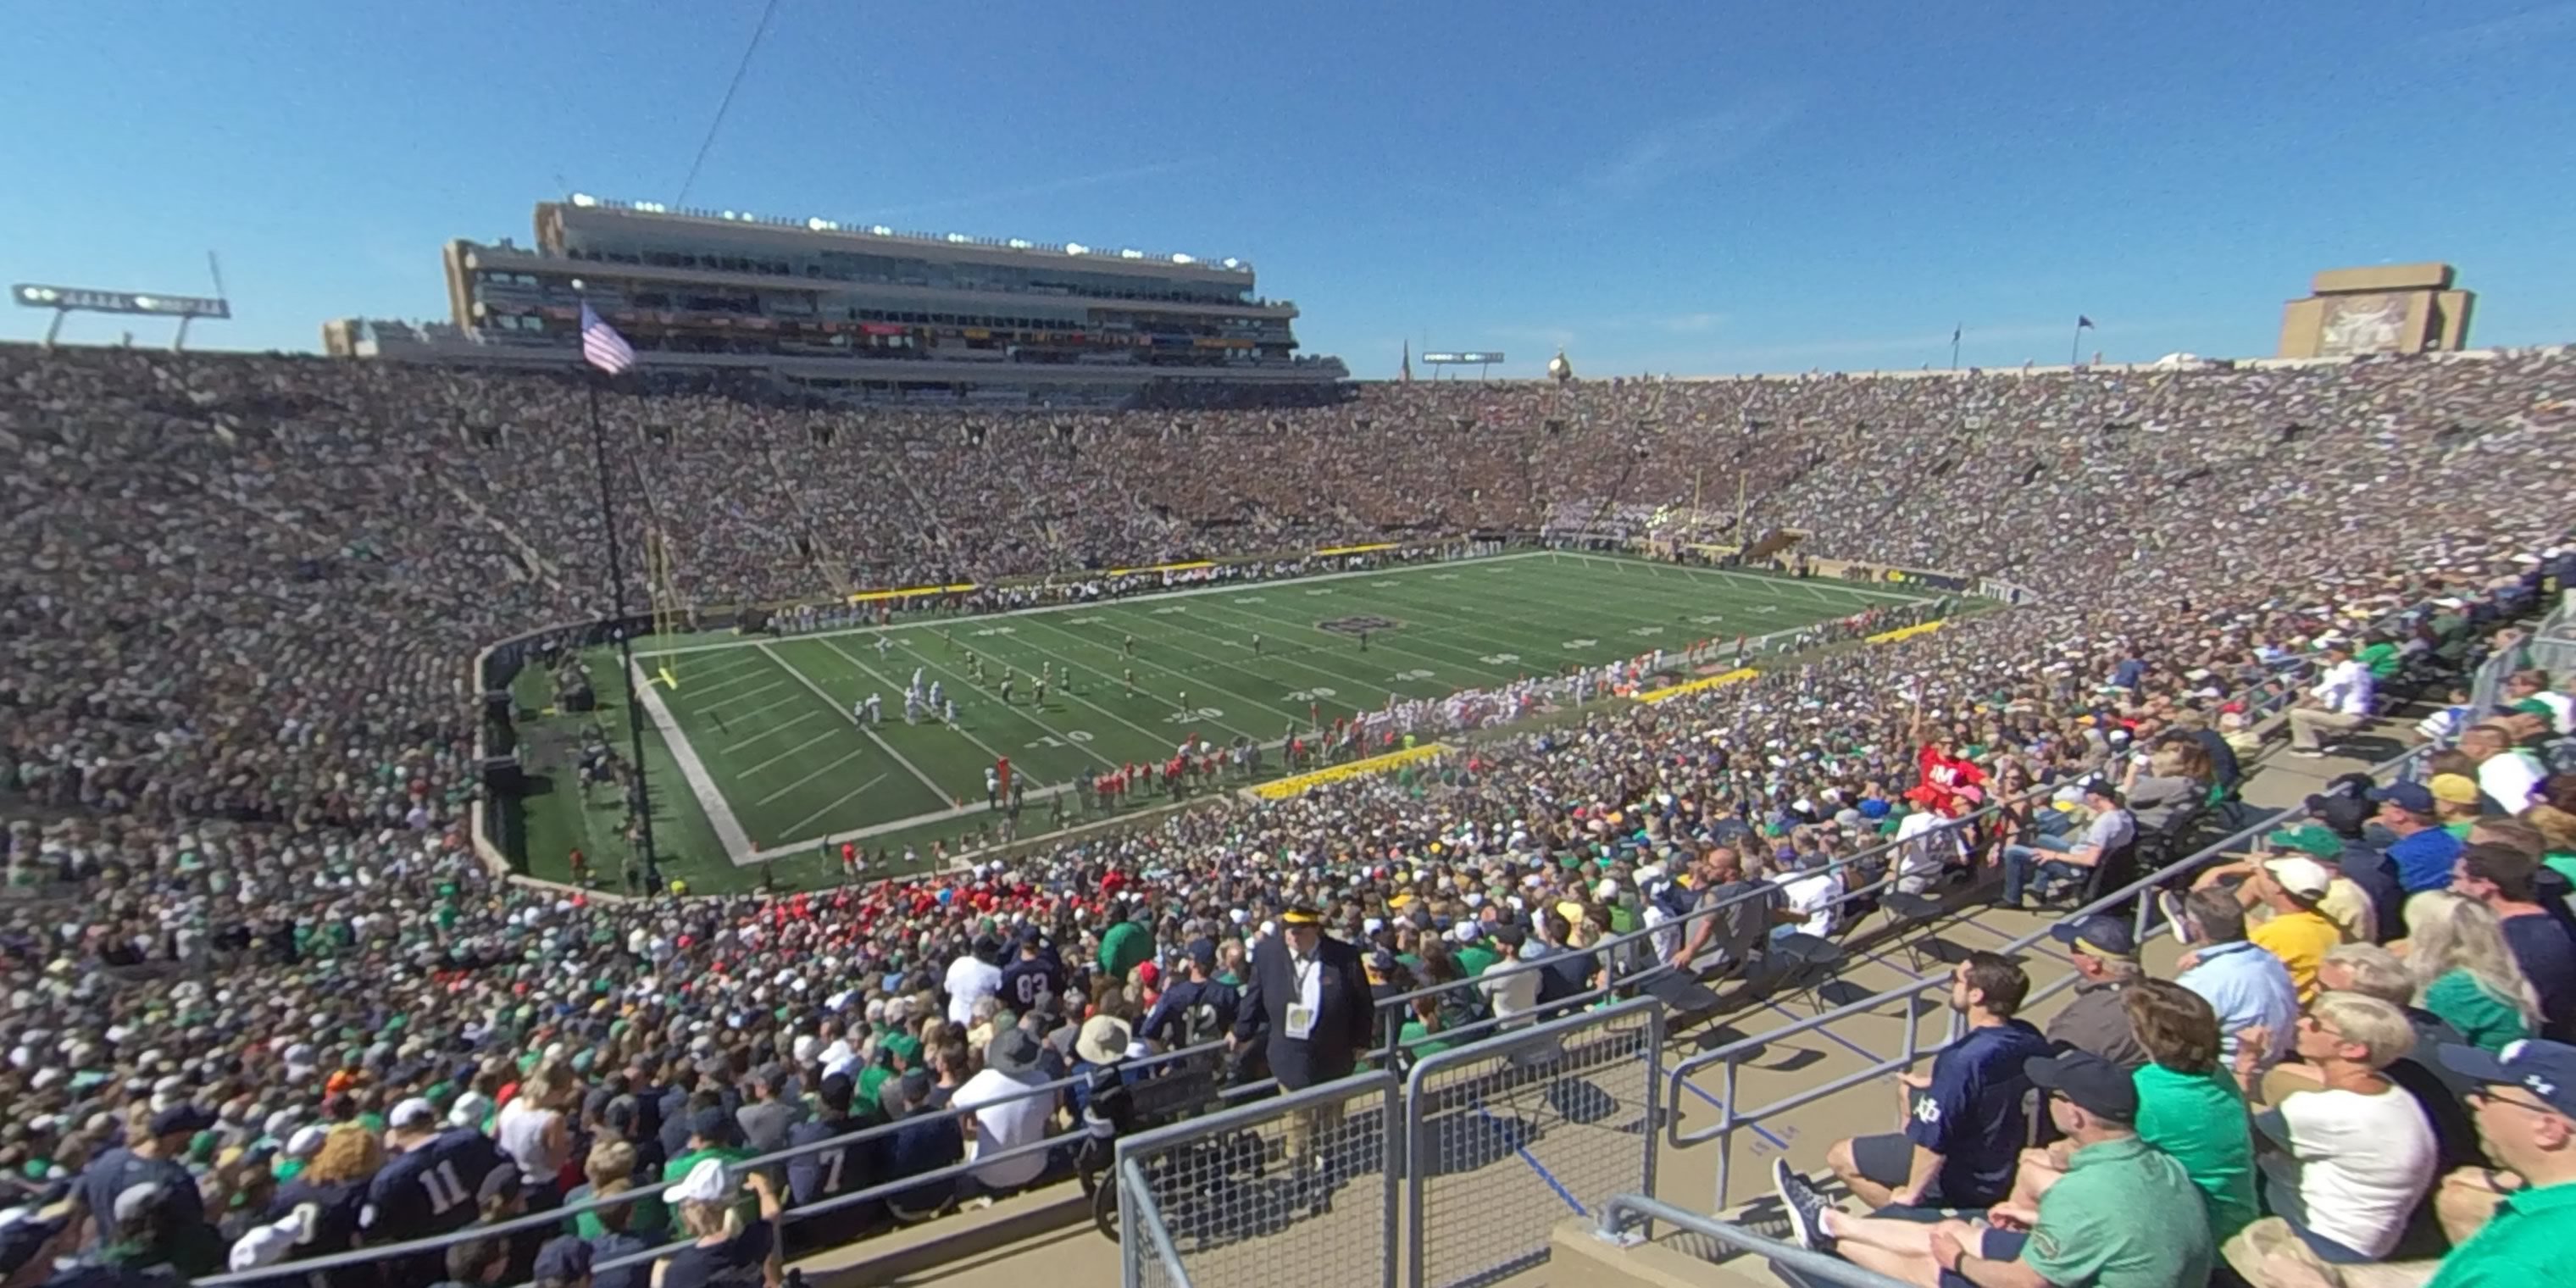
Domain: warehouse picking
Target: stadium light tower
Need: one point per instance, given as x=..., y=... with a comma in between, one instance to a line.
x=1560, y=370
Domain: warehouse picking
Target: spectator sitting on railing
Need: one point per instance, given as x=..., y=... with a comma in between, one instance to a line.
x=2248, y=987
x=1964, y=1121
x=2122, y=1215
x=2050, y=861
x=2346, y=1153
x=2096, y=1019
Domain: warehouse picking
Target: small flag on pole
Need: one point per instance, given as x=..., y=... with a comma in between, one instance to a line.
x=2082, y=322
x=602, y=346
x=1408, y=361
x=1957, y=331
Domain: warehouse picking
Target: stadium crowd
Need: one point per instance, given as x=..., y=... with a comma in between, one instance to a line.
x=263, y=1001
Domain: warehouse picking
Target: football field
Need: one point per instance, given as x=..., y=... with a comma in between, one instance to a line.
x=758, y=758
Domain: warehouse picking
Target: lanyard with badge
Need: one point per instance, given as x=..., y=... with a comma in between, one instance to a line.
x=1301, y=1017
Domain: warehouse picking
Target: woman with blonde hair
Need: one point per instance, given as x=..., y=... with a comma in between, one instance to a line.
x=535, y=1130
x=2465, y=970
x=327, y=1198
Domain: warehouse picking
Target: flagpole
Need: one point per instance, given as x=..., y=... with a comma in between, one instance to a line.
x=2075, y=345
x=625, y=643
x=1954, y=345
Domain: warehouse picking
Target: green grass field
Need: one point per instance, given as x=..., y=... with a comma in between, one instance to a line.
x=754, y=755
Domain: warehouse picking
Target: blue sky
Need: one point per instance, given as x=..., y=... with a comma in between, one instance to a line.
x=1690, y=187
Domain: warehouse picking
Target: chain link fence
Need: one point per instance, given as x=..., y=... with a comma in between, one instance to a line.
x=1510, y=1135
x=1299, y=1186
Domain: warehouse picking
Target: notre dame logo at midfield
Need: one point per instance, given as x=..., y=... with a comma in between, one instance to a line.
x=1364, y=624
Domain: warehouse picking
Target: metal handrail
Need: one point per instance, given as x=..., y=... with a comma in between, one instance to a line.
x=1396, y=1006
x=1731, y=1055
x=556, y=1216
x=1829, y=1269
x=1142, y=1216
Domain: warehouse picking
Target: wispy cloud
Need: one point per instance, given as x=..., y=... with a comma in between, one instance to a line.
x=1678, y=149
x=2514, y=31
x=1071, y=183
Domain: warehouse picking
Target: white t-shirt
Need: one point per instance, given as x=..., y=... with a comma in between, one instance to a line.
x=2359, y=1164
x=2345, y=688
x=1002, y=1124
x=1812, y=895
x=970, y=980
x=2507, y=778
x=1920, y=856
x=521, y=1133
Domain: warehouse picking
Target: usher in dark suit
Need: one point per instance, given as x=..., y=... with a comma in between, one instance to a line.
x=1345, y=1022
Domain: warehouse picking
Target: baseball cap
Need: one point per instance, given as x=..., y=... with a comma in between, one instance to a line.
x=2456, y=789
x=2096, y=1085
x=413, y=1113
x=705, y=1183
x=563, y=1258
x=1203, y=951
x=2414, y=798
x=2545, y=1069
x=2343, y=814
x=2303, y=877
x=714, y=1124
x=2307, y=838
x=2100, y=936
x=182, y=1120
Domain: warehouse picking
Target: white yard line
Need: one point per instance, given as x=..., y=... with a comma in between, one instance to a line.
x=806, y=846
x=809, y=777
x=752, y=692
x=853, y=795
x=702, y=785
x=869, y=734
x=752, y=673
x=1096, y=605
x=772, y=731
x=824, y=736
x=766, y=706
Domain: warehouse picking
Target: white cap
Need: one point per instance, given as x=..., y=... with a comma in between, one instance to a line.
x=265, y=1245
x=705, y=1183
x=412, y=1113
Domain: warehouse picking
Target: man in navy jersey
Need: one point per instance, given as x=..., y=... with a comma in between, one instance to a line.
x=1964, y=1123
x=151, y=1160
x=427, y=1187
x=1036, y=974
x=830, y=1173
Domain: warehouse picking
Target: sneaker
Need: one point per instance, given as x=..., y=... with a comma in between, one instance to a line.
x=1805, y=1207
x=2170, y=904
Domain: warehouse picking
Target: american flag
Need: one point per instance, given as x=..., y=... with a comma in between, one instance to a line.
x=602, y=346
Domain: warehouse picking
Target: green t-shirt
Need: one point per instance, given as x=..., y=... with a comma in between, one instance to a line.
x=1416, y=1038
x=2199, y=1119
x=2381, y=658
x=2487, y=1021
x=1476, y=959
x=2125, y=1215
x=1127, y=946
x=2531, y=1240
